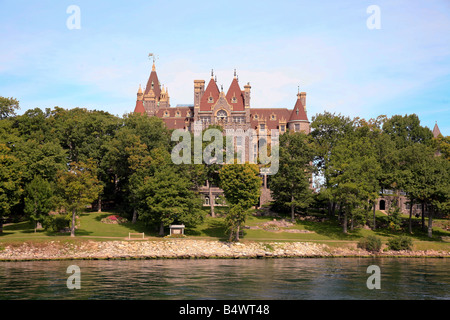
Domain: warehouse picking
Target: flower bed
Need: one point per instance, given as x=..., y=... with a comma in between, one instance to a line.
x=114, y=219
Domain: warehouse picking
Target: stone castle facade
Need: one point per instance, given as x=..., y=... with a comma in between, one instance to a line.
x=231, y=110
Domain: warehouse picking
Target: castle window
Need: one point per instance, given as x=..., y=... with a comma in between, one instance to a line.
x=297, y=127
x=255, y=116
x=282, y=128
x=262, y=126
x=178, y=114
x=205, y=119
x=273, y=117
x=234, y=100
x=222, y=115
x=166, y=114
x=239, y=119
x=210, y=99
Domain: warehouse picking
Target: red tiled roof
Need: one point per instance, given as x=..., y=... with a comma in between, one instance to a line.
x=139, y=107
x=211, y=90
x=265, y=114
x=156, y=89
x=299, y=111
x=436, y=131
x=235, y=91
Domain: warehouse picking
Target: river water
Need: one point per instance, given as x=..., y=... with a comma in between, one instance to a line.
x=228, y=279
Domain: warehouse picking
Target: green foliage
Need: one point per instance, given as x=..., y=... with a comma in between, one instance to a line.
x=241, y=185
x=11, y=171
x=78, y=187
x=290, y=186
x=400, y=243
x=395, y=218
x=39, y=199
x=8, y=106
x=56, y=223
x=165, y=195
x=370, y=243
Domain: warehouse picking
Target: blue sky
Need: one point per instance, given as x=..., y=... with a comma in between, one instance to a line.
x=325, y=47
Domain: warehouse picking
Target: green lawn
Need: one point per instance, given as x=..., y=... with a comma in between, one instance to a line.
x=329, y=231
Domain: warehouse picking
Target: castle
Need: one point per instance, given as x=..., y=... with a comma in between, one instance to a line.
x=230, y=110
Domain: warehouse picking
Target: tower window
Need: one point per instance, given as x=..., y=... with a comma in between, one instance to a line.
x=222, y=115
x=210, y=100
x=234, y=100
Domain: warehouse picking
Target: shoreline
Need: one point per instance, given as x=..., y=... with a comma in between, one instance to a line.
x=193, y=249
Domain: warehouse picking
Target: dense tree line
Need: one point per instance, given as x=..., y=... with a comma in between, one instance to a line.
x=60, y=161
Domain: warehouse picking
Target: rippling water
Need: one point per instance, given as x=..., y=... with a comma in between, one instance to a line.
x=256, y=279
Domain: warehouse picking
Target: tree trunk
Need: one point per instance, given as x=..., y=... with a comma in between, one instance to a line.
x=410, y=215
x=430, y=222
x=292, y=209
x=237, y=234
x=161, y=229
x=329, y=208
x=423, y=216
x=99, y=209
x=1, y=225
x=374, y=217
x=211, y=203
x=345, y=222
x=351, y=223
x=333, y=209
x=72, y=229
x=134, y=216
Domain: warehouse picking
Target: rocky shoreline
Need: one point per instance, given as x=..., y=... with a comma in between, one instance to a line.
x=188, y=249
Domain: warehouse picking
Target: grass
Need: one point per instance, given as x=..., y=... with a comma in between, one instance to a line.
x=328, y=232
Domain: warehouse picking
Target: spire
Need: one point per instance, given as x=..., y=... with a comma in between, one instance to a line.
x=212, y=73
x=235, y=73
x=140, y=89
x=436, y=131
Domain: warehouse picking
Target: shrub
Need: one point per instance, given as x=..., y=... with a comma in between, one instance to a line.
x=370, y=243
x=400, y=243
x=55, y=223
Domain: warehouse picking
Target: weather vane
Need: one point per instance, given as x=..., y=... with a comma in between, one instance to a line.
x=152, y=56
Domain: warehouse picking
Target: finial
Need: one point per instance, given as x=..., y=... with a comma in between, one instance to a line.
x=212, y=73
x=221, y=87
x=235, y=73
x=215, y=79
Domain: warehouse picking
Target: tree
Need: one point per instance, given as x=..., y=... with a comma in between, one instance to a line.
x=78, y=187
x=291, y=185
x=11, y=170
x=166, y=194
x=327, y=130
x=8, y=107
x=38, y=200
x=353, y=172
x=242, y=188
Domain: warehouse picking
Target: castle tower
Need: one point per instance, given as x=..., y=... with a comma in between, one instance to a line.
x=298, y=120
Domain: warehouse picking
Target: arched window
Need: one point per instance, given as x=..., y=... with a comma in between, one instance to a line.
x=222, y=115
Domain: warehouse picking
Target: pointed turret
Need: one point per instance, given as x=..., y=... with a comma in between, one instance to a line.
x=234, y=95
x=153, y=83
x=299, y=111
x=209, y=96
x=436, y=131
x=139, y=107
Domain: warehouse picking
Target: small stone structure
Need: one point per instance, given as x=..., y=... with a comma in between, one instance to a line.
x=176, y=229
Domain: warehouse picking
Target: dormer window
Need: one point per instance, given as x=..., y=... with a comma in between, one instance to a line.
x=234, y=100
x=282, y=128
x=273, y=117
x=210, y=99
x=178, y=114
x=255, y=116
x=262, y=126
x=166, y=114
